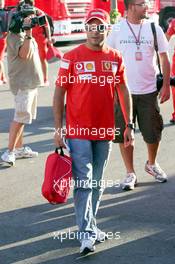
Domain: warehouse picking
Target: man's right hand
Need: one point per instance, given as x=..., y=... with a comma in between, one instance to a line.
x=164, y=94
x=58, y=139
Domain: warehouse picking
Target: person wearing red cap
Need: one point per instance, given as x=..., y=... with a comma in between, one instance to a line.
x=170, y=32
x=89, y=75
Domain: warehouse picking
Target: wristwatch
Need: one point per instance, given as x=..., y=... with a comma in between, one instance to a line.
x=28, y=37
x=130, y=125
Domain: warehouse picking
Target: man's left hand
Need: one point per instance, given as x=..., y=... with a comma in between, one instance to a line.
x=128, y=137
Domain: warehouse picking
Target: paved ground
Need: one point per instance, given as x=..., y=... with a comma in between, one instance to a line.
x=145, y=217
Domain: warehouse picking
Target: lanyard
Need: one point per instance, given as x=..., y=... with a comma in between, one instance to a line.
x=137, y=38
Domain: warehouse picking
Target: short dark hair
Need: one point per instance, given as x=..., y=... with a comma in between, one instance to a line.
x=127, y=2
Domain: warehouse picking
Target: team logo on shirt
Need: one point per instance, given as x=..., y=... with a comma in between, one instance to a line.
x=90, y=66
x=109, y=66
x=84, y=66
x=79, y=66
x=86, y=76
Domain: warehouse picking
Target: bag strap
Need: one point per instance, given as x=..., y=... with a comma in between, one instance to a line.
x=153, y=28
x=61, y=151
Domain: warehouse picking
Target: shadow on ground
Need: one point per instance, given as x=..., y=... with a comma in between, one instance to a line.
x=145, y=219
x=41, y=126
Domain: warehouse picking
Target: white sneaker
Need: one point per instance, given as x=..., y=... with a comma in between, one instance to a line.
x=44, y=84
x=87, y=246
x=25, y=152
x=129, y=182
x=101, y=236
x=8, y=157
x=156, y=171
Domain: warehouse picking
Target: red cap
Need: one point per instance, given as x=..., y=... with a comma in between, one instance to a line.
x=100, y=14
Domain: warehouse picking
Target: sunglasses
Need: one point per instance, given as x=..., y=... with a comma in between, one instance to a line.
x=145, y=4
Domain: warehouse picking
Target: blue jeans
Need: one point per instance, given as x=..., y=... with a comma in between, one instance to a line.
x=89, y=159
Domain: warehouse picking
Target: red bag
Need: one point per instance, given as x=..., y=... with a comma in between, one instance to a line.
x=53, y=54
x=57, y=179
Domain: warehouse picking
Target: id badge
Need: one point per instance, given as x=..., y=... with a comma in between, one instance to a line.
x=138, y=56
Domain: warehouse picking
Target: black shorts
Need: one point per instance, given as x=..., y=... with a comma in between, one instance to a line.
x=147, y=113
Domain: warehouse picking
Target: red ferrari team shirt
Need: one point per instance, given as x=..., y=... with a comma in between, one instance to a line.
x=89, y=78
x=170, y=32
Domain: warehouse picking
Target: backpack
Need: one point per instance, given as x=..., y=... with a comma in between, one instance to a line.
x=57, y=178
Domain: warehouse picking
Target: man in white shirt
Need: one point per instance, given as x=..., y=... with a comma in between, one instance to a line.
x=133, y=37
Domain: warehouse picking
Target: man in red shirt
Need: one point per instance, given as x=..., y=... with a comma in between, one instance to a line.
x=89, y=75
x=169, y=33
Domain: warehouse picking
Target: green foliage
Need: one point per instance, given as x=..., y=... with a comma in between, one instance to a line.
x=114, y=15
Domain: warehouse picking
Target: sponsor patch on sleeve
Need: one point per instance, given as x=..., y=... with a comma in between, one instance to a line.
x=114, y=67
x=65, y=64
